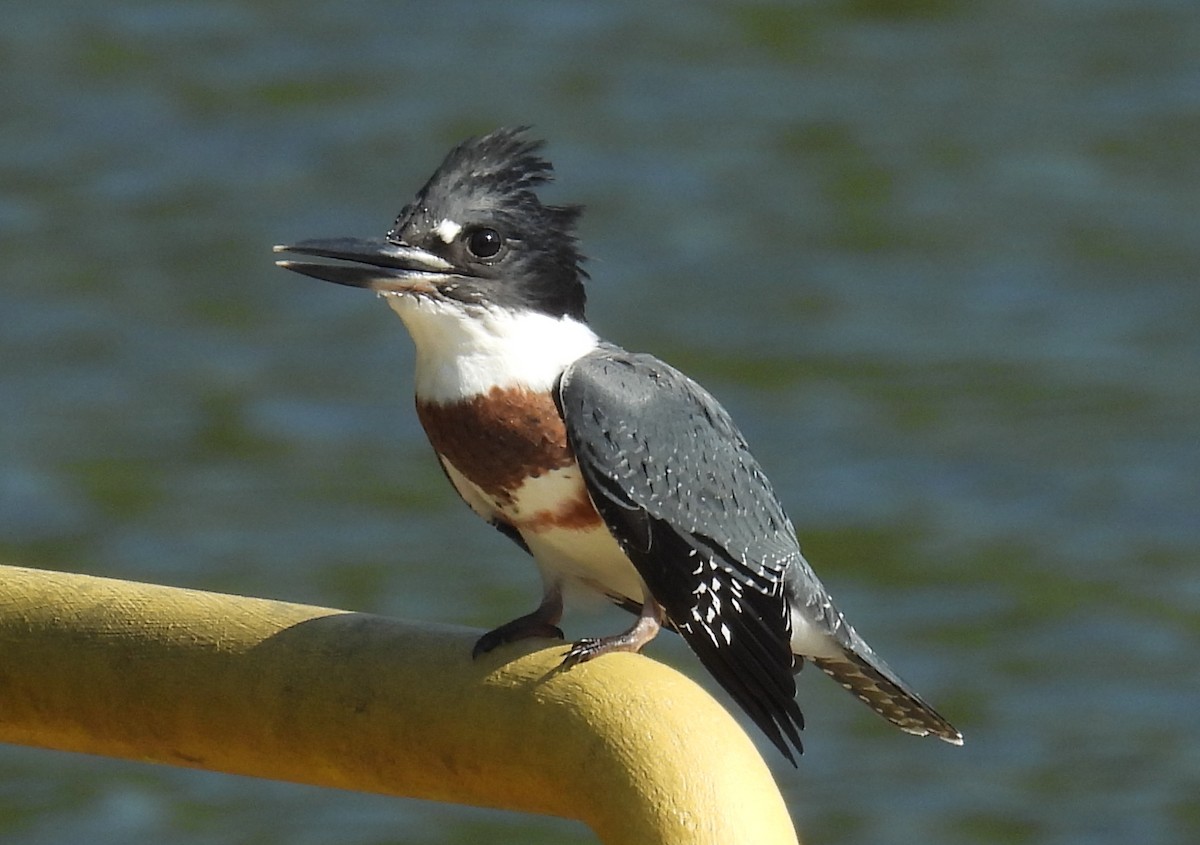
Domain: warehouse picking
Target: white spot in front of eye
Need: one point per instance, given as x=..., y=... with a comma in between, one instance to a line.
x=447, y=230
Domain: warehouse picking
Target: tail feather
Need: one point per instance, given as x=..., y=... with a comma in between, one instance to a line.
x=870, y=679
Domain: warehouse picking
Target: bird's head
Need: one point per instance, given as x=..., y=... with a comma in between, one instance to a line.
x=475, y=235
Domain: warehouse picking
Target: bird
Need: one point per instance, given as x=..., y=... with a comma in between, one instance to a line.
x=617, y=473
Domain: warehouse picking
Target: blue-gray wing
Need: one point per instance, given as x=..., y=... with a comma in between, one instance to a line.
x=675, y=483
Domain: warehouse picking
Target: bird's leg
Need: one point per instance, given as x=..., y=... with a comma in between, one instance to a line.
x=642, y=631
x=543, y=622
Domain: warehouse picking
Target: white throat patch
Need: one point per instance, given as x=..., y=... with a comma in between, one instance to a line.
x=461, y=353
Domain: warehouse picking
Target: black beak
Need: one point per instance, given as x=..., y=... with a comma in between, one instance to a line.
x=378, y=265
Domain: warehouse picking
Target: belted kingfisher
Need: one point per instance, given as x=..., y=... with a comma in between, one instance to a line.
x=615, y=471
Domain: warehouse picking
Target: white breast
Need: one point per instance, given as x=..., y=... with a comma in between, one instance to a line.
x=462, y=354
x=589, y=560
x=571, y=548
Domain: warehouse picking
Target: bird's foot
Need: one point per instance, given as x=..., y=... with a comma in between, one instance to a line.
x=633, y=640
x=589, y=648
x=522, y=628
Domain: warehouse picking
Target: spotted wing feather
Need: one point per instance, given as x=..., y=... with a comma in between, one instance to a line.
x=673, y=479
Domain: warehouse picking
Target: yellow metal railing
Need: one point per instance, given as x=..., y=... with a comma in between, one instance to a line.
x=631, y=748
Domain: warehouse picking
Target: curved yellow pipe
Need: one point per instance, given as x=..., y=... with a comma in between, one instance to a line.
x=628, y=746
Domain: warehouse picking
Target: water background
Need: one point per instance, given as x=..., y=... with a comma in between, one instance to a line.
x=939, y=258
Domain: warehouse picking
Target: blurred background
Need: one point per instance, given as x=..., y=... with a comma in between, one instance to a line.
x=939, y=257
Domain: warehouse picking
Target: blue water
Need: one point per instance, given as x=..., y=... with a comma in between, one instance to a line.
x=940, y=259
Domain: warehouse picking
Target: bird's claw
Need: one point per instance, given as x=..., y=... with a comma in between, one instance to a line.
x=584, y=650
x=511, y=632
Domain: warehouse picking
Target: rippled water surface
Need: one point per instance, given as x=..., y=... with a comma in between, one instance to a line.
x=940, y=258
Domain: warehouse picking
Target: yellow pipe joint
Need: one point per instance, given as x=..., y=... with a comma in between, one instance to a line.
x=631, y=748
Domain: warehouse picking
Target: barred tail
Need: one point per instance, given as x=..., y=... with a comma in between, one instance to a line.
x=874, y=683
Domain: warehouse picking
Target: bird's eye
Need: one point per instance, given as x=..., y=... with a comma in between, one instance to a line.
x=484, y=243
